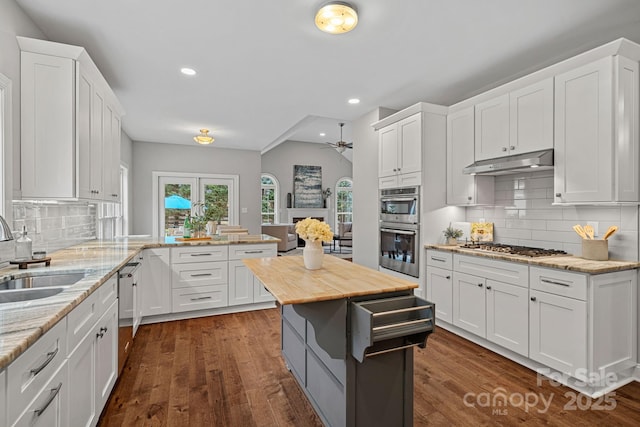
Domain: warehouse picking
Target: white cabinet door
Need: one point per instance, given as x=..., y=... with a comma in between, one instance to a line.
x=469, y=312
x=47, y=140
x=137, y=297
x=583, y=133
x=82, y=373
x=260, y=293
x=84, y=108
x=558, y=331
x=155, y=282
x=115, y=157
x=507, y=316
x=3, y=398
x=106, y=336
x=241, y=287
x=388, y=151
x=439, y=286
x=492, y=128
x=410, y=144
x=98, y=106
x=531, y=118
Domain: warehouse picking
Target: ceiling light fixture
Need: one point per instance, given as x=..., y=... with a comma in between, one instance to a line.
x=354, y=101
x=337, y=17
x=188, y=71
x=204, y=137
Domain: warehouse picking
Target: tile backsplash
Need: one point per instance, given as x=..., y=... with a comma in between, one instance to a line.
x=53, y=226
x=523, y=215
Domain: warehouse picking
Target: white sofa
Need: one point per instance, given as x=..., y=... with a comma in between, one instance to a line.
x=285, y=232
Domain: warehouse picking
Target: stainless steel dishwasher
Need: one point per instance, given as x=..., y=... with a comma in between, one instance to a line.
x=127, y=281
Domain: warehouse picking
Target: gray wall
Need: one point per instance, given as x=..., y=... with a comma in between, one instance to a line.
x=148, y=157
x=365, y=188
x=280, y=161
x=13, y=22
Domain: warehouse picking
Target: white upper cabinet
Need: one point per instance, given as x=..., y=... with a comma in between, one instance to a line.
x=400, y=147
x=70, y=125
x=464, y=189
x=596, y=132
x=517, y=122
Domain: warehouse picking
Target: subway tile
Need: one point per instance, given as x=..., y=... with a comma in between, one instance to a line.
x=555, y=236
x=629, y=218
x=591, y=213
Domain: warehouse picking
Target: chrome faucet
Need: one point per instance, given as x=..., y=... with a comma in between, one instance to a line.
x=5, y=231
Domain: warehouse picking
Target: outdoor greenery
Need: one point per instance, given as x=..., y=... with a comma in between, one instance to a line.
x=268, y=200
x=344, y=201
x=215, y=206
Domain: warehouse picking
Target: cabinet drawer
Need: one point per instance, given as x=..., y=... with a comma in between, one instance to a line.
x=440, y=259
x=502, y=271
x=563, y=283
x=201, y=253
x=50, y=407
x=200, y=274
x=81, y=320
x=32, y=370
x=253, y=251
x=107, y=294
x=199, y=298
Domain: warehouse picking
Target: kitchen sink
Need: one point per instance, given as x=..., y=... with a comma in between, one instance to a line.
x=43, y=281
x=28, y=294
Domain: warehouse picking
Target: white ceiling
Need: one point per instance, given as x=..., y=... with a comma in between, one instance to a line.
x=266, y=74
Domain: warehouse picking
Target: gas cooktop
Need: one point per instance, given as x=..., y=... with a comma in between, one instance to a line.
x=514, y=249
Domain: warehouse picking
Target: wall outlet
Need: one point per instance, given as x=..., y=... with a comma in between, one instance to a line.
x=594, y=224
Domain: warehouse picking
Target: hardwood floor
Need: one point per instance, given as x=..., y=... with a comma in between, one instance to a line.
x=227, y=371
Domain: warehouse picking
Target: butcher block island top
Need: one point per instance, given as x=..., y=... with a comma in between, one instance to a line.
x=291, y=283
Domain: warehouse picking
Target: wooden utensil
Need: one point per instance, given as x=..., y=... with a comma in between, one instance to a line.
x=610, y=231
x=588, y=229
x=578, y=229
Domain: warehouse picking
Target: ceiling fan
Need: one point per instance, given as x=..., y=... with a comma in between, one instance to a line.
x=341, y=145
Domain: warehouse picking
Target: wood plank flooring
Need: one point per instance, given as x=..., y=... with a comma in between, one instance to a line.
x=227, y=371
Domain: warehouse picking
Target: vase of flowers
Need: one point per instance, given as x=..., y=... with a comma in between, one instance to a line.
x=313, y=232
x=452, y=235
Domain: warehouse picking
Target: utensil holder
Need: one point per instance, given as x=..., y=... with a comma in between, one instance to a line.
x=597, y=250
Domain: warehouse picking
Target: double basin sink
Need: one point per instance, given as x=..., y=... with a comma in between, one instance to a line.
x=37, y=286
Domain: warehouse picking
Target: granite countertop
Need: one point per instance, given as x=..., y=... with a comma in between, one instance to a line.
x=562, y=262
x=291, y=283
x=22, y=323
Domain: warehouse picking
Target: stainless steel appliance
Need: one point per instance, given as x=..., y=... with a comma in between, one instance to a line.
x=514, y=249
x=127, y=281
x=400, y=205
x=399, y=247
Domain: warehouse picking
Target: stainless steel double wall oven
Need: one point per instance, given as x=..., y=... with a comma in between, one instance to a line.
x=400, y=229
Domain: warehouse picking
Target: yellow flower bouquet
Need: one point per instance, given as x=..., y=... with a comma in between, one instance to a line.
x=312, y=230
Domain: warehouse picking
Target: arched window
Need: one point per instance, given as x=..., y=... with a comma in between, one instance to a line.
x=344, y=200
x=269, y=186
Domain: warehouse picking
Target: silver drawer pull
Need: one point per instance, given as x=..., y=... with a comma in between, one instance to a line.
x=50, y=356
x=553, y=282
x=253, y=252
x=200, y=298
x=389, y=350
x=395, y=325
x=200, y=254
x=201, y=274
x=403, y=310
x=438, y=259
x=54, y=393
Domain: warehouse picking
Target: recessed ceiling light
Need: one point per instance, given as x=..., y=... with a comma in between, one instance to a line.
x=354, y=101
x=188, y=71
x=323, y=134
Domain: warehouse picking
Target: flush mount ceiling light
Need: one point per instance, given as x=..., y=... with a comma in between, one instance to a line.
x=337, y=18
x=204, y=137
x=188, y=71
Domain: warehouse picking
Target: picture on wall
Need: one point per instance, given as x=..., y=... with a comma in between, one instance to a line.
x=307, y=186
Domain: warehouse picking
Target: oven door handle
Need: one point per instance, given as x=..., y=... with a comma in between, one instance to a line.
x=408, y=233
x=398, y=199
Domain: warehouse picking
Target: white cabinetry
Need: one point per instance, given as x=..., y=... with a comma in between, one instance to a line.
x=517, y=122
x=93, y=354
x=439, y=284
x=596, y=132
x=400, y=152
x=464, y=189
x=244, y=288
x=70, y=122
x=49, y=407
x=469, y=312
x=154, y=287
x=3, y=398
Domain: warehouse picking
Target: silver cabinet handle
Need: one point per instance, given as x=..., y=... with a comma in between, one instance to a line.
x=253, y=252
x=54, y=393
x=201, y=274
x=553, y=282
x=438, y=259
x=50, y=356
x=205, y=254
x=200, y=298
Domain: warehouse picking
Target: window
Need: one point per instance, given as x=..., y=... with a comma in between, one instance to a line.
x=344, y=200
x=269, y=186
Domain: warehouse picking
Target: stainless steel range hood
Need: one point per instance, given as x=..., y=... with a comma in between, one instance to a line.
x=537, y=160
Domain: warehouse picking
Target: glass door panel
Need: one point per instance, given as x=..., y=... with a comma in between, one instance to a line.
x=175, y=204
x=216, y=193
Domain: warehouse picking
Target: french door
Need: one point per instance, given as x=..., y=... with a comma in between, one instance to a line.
x=177, y=195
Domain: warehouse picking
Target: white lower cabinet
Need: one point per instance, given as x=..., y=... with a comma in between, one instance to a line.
x=507, y=321
x=154, y=288
x=440, y=292
x=469, y=312
x=3, y=398
x=244, y=288
x=240, y=283
x=49, y=408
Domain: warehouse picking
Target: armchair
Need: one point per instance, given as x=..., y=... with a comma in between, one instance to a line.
x=345, y=233
x=285, y=232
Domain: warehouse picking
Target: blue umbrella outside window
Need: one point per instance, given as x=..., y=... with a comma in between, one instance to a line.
x=176, y=202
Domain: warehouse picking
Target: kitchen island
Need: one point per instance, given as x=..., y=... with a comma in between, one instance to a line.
x=348, y=334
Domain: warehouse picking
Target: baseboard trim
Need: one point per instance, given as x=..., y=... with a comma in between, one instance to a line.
x=205, y=313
